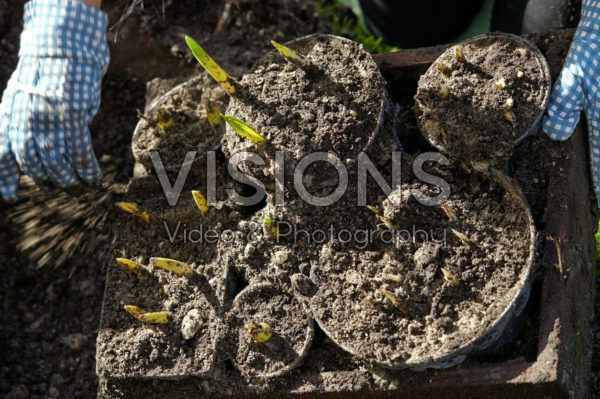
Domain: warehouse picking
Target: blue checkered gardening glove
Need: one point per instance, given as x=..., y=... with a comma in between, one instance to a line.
x=52, y=96
x=577, y=87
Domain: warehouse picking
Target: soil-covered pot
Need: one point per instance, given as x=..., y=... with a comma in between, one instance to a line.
x=186, y=344
x=482, y=96
x=176, y=123
x=390, y=303
x=336, y=103
x=292, y=332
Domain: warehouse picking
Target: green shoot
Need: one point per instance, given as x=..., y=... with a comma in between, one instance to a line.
x=510, y=116
x=274, y=230
x=200, y=202
x=395, y=278
x=130, y=265
x=164, y=121
x=171, y=265
x=465, y=240
x=290, y=54
x=134, y=209
x=501, y=84
x=443, y=68
x=244, y=130
x=211, y=66
x=213, y=113
x=145, y=317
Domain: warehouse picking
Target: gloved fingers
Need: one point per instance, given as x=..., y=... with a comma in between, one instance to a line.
x=53, y=156
x=9, y=169
x=82, y=157
x=565, y=106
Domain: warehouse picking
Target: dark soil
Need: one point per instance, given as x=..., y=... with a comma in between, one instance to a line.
x=333, y=105
x=177, y=125
x=471, y=119
x=432, y=318
x=292, y=332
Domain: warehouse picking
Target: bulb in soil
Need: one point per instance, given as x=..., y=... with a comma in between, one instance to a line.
x=395, y=278
x=397, y=302
x=510, y=116
x=200, y=202
x=444, y=91
x=164, y=121
x=211, y=66
x=465, y=240
x=290, y=54
x=131, y=265
x=260, y=332
x=213, y=113
x=449, y=212
x=458, y=54
x=443, y=68
x=171, y=265
x=450, y=278
x=134, y=209
x=244, y=130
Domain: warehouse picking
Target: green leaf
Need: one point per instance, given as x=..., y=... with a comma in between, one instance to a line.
x=244, y=130
x=211, y=66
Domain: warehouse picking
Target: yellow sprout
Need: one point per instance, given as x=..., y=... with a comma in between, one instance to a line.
x=261, y=333
x=134, y=209
x=274, y=230
x=510, y=102
x=388, y=222
x=396, y=278
x=458, y=54
x=164, y=121
x=461, y=236
x=520, y=75
x=373, y=209
x=130, y=265
x=200, y=202
x=443, y=68
x=394, y=300
x=444, y=91
x=211, y=66
x=290, y=54
x=510, y=116
x=171, y=265
x=213, y=113
x=501, y=84
x=244, y=130
x=450, y=278
x=145, y=317
x=449, y=212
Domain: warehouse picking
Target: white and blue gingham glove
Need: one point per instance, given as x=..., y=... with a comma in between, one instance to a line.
x=578, y=87
x=52, y=96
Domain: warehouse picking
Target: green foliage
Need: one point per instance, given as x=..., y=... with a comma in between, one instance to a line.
x=352, y=27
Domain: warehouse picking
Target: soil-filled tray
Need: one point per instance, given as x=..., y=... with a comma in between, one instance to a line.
x=483, y=95
x=192, y=301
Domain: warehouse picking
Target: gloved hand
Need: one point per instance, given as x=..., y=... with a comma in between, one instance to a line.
x=52, y=96
x=578, y=87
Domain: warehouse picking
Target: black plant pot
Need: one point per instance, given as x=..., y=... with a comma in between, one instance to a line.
x=419, y=23
x=527, y=16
